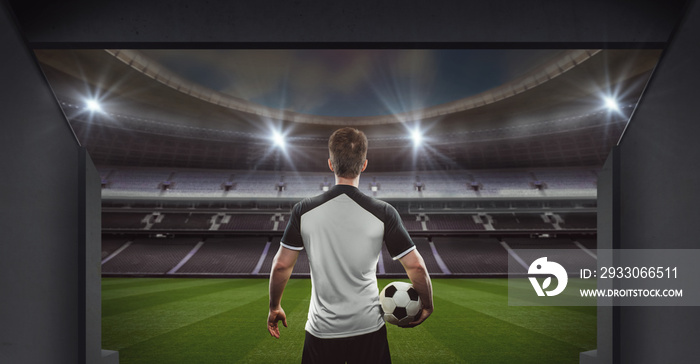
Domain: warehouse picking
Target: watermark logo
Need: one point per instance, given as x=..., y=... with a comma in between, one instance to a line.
x=540, y=267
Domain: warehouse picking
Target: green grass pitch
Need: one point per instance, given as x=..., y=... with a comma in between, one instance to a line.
x=164, y=320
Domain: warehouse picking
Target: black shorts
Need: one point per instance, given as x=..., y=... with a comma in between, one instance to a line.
x=372, y=348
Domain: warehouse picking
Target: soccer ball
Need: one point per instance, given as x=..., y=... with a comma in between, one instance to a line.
x=400, y=303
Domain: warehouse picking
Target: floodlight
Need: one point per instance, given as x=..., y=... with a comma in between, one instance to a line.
x=417, y=137
x=611, y=103
x=278, y=139
x=93, y=105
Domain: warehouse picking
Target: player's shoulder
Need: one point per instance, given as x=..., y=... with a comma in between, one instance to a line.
x=381, y=209
x=310, y=203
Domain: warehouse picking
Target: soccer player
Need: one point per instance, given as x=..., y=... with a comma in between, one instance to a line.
x=342, y=231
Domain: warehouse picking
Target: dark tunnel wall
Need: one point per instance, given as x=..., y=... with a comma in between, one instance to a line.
x=660, y=195
x=40, y=312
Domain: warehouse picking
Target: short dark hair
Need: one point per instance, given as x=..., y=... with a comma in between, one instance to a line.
x=348, y=151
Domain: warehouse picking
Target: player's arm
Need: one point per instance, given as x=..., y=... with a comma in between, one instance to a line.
x=282, y=267
x=418, y=274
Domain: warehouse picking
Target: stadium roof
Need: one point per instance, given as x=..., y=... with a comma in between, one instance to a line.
x=476, y=108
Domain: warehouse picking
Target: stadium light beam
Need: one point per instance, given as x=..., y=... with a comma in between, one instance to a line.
x=93, y=106
x=611, y=103
x=417, y=137
x=278, y=139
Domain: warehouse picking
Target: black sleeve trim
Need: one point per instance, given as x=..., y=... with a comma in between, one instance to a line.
x=292, y=234
x=396, y=238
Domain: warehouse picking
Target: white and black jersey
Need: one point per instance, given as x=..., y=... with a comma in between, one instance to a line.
x=342, y=231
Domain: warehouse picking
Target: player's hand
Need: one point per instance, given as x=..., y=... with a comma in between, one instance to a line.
x=276, y=315
x=424, y=314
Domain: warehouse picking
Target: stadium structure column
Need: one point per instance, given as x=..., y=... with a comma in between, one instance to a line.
x=608, y=233
x=50, y=221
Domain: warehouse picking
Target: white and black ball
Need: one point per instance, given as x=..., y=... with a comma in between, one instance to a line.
x=400, y=303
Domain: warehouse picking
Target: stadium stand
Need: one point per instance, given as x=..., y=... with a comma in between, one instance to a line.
x=259, y=222
x=270, y=221
x=512, y=183
x=578, y=221
x=411, y=223
x=134, y=182
x=567, y=182
x=467, y=255
x=300, y=268
x=520, y=222
x=444, y=184
x=184, y=221
x=396, y=185
x=172, y=221
x=302, y=264
x=195, y=183
x=267, y=261
x=150, y=256
x=198, y=221
x=589, y=243
x=457, y=255
x=116, y=220
x=424, y=249
x=452, y=222
x=573, y=259
x=237, y=255
x=260, y=184
x=391, y=266
x=111, y=244
x=303, y=185
x=283, y=220
x=225, y=208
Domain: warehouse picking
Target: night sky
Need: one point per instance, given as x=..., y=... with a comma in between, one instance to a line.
x=350, y=82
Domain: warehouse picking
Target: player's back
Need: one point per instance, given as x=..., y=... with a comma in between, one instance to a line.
x=342, y=231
